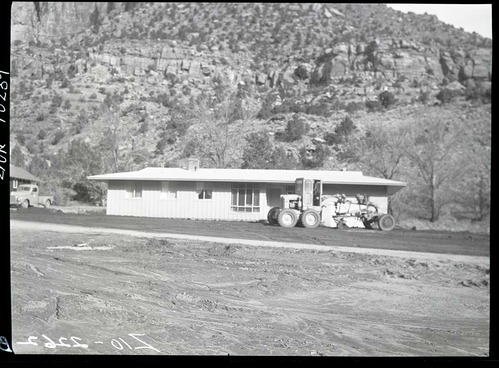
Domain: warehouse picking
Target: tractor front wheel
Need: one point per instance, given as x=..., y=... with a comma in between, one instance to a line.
x=273, y=215
x=386, y=222
x=310, y=219
x=287, y=218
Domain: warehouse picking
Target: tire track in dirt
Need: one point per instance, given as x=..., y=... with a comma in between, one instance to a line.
x=197, y=297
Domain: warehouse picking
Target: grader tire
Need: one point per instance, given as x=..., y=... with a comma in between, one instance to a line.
x=273, y=215
x=287, y=218
x=386, y=222
x=310, y=219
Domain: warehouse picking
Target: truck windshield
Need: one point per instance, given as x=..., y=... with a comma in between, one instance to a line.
x=25, y=188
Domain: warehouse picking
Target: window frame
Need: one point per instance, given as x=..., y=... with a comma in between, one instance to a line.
x=168, y=191
x=249, y=193
x=204, y=191
x=133, y=190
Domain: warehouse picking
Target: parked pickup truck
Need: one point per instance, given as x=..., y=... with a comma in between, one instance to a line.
x=27, y=195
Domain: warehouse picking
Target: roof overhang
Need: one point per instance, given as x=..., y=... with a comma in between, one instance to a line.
x=251, y=176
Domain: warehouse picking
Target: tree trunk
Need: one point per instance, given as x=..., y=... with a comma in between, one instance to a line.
x=433, y=202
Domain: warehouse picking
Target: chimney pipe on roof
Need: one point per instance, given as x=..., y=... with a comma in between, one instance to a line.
x=192, y=164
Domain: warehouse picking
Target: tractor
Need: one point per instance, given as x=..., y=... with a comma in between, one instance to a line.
x=308, y=207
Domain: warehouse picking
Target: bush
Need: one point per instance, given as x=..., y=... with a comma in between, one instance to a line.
x=42, y=134
x=387, y=99
x=424, y=96
x=343, y=130
x=315, y=159
x=373, y=105
x=295, y=129
x=144, y=127
x=446, y=95
x=321, y=109
x=58, y=136
x=41, y=116
x=57, y=101
x=353, y=106
x=21, y=138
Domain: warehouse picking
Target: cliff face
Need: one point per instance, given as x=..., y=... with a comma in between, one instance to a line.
x=44, y=21
x=389, y=57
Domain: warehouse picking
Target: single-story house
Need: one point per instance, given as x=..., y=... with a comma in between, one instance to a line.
x=226, y=194
x=20, y=176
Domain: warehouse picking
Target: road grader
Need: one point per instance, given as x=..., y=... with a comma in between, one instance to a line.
x=308, y=207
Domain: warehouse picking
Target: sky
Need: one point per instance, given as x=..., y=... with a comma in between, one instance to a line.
x=471, y=17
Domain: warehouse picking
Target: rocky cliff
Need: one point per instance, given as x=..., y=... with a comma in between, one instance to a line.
x=390, y=57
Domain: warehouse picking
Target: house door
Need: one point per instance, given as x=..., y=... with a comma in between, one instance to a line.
x=273, y=197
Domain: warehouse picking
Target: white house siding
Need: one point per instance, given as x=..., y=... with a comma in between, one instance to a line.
x=186, y=204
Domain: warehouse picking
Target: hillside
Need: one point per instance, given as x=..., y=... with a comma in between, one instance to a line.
x=99, y=87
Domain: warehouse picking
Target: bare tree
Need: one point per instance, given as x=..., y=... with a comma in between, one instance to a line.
x=218, y=128
x=380, y=150
x=435, y=150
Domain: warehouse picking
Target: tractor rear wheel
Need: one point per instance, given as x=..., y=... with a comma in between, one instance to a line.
x=310, y=218
x=386, y=222
x=273, y=215
x=287, y=218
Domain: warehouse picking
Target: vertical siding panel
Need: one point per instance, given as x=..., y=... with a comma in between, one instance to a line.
x=263, y=201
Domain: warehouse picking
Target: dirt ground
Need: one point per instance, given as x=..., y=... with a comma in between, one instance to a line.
x=95, y=293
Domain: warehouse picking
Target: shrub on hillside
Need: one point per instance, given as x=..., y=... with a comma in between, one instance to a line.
x=354, y=106
x=342, y=131
x=373, y=105
x=446, y=95
x=58, y=136
x=387, y=99
x=42, y=134
x=315, y=159
x=295, y=129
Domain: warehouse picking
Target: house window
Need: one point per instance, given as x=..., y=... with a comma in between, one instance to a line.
x=204, y=191
x=290, y=189
x=245, y=198
x=134, y=190
x=168, y=190
x=14, y=184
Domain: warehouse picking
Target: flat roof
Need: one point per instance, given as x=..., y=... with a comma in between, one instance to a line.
x=251, y=176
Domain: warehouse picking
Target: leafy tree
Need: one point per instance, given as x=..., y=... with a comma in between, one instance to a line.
x=258, y=152
x=17, y=158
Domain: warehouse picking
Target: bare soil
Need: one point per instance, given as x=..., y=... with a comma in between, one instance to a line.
x=94, y=293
